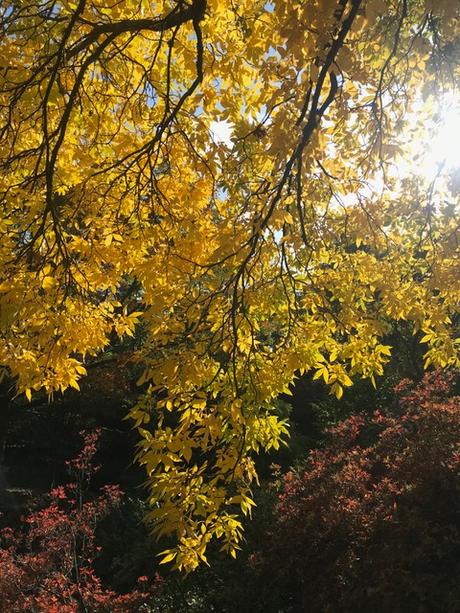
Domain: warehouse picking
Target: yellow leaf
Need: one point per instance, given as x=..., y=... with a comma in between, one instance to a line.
x=169, y=557
x=48, y=282
x=337, y=390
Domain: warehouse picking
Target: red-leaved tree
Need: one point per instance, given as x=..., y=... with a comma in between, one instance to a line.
x=46, y=565
x=372, y=521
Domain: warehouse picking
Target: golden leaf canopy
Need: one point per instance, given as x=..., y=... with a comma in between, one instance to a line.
x=290, y=245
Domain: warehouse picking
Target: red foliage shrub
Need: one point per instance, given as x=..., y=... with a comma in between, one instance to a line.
x=46, y=565
x=372, y=521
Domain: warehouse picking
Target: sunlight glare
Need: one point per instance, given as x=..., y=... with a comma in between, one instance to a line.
x=442, y=152
x=222, y=132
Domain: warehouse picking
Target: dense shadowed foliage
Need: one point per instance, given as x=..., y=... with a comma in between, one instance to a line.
x=371, y=521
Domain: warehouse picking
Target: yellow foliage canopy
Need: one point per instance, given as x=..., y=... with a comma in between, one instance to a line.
x=290, y=248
